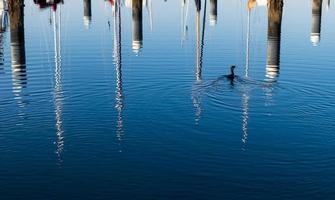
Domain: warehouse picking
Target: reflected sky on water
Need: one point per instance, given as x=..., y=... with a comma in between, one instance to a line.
x=132, y=99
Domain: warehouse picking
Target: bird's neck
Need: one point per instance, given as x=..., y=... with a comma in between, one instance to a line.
x=232, y=71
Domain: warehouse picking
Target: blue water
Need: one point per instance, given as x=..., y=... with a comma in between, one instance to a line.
x=93, y=116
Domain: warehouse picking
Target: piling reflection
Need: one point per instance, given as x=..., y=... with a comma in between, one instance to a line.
x=118, y=69
x=275, y=10
x=87, y=13
x=18, y=53
x=184, y=18
x=316, y=22
x=137, y=24
x=213, y=12
x=3, y=16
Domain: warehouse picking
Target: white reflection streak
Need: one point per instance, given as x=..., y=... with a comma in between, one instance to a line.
x=58, y=84
x=248, y=47
x=196, y=100
x=198, y=50
x=196, y=93
x=246, y=96
x=184, y=14
x=148, y=5
x=245, y=116
x=118, y=69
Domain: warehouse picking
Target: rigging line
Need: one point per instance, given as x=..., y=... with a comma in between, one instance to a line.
x=203, y=34
x=150, y=14
x=186, y=16
x=248, y=47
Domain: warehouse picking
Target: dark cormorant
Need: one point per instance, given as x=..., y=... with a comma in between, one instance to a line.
x=232, y=75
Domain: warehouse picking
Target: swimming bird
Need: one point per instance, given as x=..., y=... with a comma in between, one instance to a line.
x=232, y=75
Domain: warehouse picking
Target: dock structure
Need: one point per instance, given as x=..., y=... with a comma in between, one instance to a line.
x=137, y=24
x=316, y=22
x=275, y=10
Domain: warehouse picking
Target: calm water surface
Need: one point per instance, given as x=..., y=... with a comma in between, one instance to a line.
x=114, y=100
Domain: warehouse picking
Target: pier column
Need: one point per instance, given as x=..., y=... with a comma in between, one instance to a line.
x=137, y=17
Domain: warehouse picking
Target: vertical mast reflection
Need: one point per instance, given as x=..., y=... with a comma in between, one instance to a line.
x=198, y=50
x=184, y=13
x=58, y=91
x=199, y=54
x=246, y=95
x=118, y=69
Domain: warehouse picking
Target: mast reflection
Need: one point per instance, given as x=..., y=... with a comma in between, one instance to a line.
x=245, y=90
x=137, y=20
x=18, y=53
x=196, y=93
x=148, y=5
x=58, y=91
x=184, y=14
x=198, y=58
x=118, y=69
x=316, y=22
x=245, y=115
x=199, y=38
x=3, y=27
